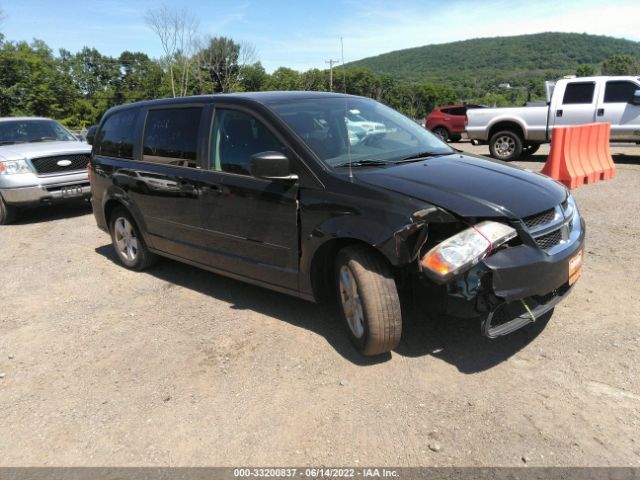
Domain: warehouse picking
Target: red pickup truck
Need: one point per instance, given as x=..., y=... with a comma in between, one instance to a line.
x=449, y=121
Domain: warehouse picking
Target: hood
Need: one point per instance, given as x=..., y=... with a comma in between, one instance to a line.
x=20, y=151
x=470, y=186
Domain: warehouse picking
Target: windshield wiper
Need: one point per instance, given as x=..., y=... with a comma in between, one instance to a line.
x=420, y=156
x=362, y=163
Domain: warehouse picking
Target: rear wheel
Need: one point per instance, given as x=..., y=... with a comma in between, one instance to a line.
x=442, y=133
x=506, y=146
x=368, y=300
x=127, y=241
x=8, y=213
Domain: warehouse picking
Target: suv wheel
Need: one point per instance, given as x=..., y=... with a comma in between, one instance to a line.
x=505, y=146
x=8, y=213
x=441, y=133
x=368, y=300
x=127, y=241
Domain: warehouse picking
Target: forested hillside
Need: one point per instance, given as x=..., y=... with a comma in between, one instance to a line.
x=500, y=58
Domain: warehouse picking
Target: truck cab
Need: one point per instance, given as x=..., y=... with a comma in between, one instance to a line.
x=598, y=99
x=517, y=131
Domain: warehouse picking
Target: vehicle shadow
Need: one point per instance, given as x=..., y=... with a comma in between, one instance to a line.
x=48, y=213
x=459, y=342
x=319, y=319
x=451, y=340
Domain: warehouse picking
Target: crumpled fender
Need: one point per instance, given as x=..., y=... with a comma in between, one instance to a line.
x=409, y=239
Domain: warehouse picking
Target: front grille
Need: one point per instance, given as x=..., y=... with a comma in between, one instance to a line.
x=540, y=219
x=44, y=165
x=549, y=240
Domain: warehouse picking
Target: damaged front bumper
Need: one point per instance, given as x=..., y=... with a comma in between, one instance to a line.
x=516, y=285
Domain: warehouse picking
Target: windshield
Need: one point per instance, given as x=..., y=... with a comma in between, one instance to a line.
x=27, y=131
x=357, y=130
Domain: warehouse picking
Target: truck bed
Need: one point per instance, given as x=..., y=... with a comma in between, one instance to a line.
x=532, y=120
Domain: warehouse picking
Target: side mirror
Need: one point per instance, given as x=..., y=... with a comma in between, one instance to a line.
x=636, y=98
x=271, y=166
x=91, y=134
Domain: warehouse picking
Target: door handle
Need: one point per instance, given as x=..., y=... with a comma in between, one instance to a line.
x=600, y=112
x=559, y=113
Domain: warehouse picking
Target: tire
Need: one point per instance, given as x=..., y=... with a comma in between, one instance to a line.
x=368, y=300
x=505, y=145
x=8, y=213
x=127, y=241
x=530, y=150
x=455, y=138
x=442, y=133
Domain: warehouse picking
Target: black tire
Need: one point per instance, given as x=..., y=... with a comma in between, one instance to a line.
x=134, y=258
x=455, y=138
x=442, y=133
x=530, y=150
x=505, y=145
x=8, y=213
x=377, y=298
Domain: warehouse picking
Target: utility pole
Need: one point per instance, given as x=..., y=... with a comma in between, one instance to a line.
x=331, y=64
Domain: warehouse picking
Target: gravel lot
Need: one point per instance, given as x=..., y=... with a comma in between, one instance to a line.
x=178, y=366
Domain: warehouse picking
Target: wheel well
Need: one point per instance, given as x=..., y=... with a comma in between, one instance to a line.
x=510, y=126
x=441, y=126
x=322, y=266
x=109, y=207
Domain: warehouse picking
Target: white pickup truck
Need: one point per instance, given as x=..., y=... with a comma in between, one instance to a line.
x=518, y=131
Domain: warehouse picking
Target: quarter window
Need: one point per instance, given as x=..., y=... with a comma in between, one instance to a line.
x=619, y=92
x=116, y=136
x=171, y=136
x=236, y=137
x=577, y=93
x=458, y=111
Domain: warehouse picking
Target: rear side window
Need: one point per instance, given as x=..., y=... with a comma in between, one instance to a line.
x=577, y=93
x=619, y=91
x=446, y=111
x=116, y=136
x=458, y=111
x=171, y=136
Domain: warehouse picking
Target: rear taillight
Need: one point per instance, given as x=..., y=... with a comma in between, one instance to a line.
x=89, y=171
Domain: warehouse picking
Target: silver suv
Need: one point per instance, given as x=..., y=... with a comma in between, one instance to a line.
x=40, y=163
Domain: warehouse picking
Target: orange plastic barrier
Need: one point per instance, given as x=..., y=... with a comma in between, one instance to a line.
x=580, y=154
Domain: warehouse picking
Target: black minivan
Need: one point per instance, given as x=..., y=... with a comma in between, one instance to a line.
x=328, y=196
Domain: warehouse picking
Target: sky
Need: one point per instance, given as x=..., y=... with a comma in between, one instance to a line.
x=304, y=34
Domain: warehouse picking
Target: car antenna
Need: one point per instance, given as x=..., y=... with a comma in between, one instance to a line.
x=346, y=106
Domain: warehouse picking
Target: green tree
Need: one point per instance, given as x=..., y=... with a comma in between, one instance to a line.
x=585, y=70
x=284, y=79
x=621, y=65
x=252, y=77
x=31, y=82
x=315, y=80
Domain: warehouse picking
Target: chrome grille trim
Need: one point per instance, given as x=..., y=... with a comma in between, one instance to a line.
x=558, y=233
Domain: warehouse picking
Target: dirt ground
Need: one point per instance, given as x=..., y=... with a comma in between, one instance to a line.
x=178, y=366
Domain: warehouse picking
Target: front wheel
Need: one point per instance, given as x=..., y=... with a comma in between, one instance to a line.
x=128, y=242
x=8, y=213
x=368, y=299
x=506, y=146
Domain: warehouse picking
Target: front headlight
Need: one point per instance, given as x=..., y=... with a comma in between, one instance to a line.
x=464, y=249
x=10, y=168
